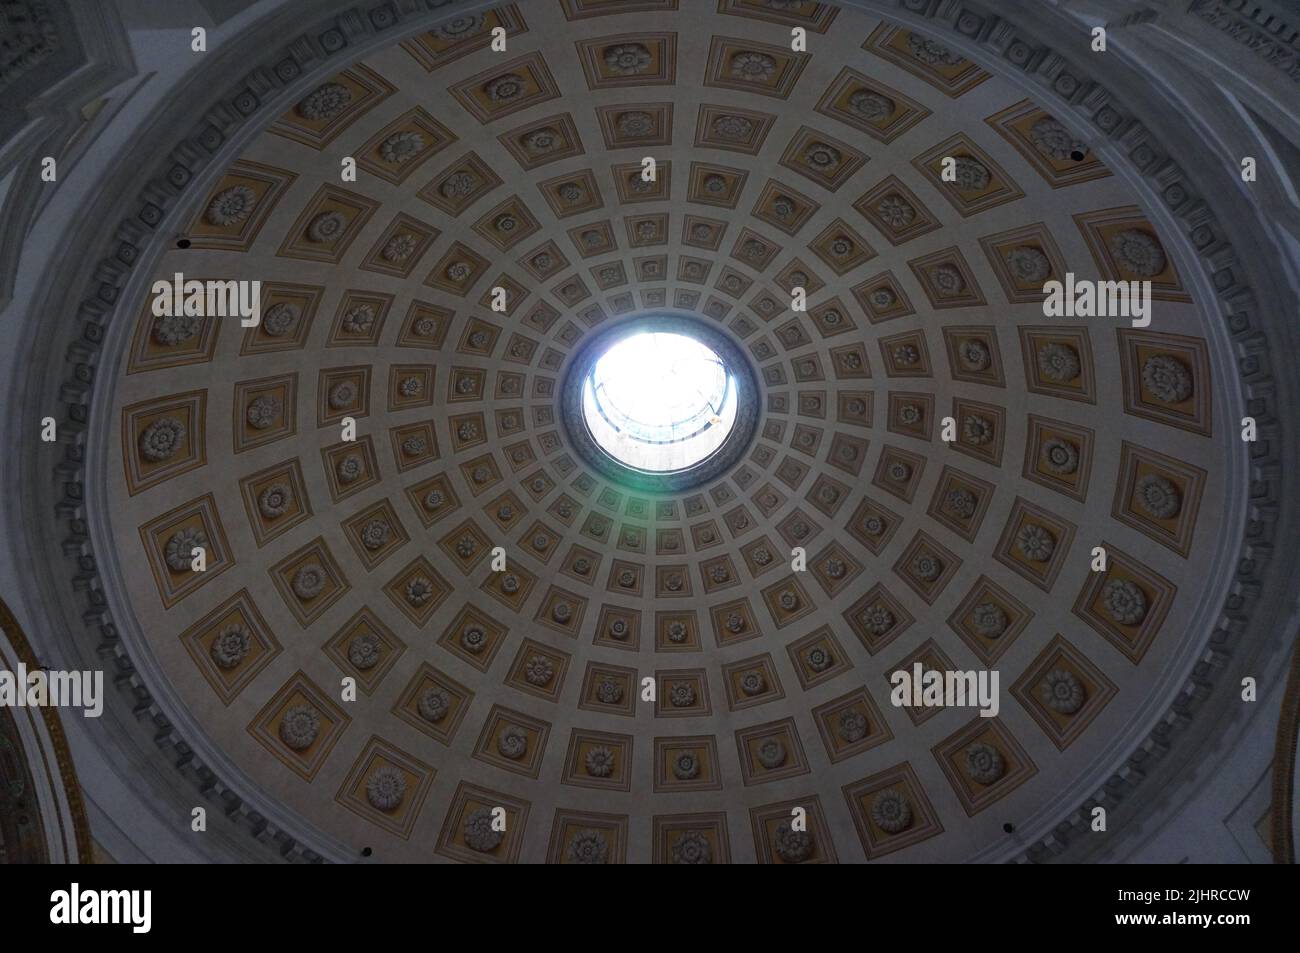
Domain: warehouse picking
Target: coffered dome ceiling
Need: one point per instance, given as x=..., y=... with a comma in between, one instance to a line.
x=523, y=689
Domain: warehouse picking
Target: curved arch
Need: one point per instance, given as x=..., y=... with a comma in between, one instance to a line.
x=56, y=829
x=1285, y=808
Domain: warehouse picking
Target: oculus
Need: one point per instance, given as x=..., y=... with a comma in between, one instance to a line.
x=661, y=402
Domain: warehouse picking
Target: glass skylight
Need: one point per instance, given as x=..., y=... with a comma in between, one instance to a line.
x=659, y=402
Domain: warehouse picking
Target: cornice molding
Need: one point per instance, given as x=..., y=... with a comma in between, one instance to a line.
x=1245, y=621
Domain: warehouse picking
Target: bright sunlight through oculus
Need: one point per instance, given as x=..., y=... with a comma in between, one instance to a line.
x=659, y=402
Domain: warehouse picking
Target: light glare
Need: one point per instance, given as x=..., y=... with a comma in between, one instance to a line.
x=659, y=401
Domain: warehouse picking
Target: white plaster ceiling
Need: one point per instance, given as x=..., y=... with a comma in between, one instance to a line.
x=818, y=470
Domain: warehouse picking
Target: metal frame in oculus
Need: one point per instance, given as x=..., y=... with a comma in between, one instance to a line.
x=740, y=393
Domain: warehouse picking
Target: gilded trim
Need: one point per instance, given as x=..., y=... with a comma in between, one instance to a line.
x=54, y=725
x=1281, y=810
